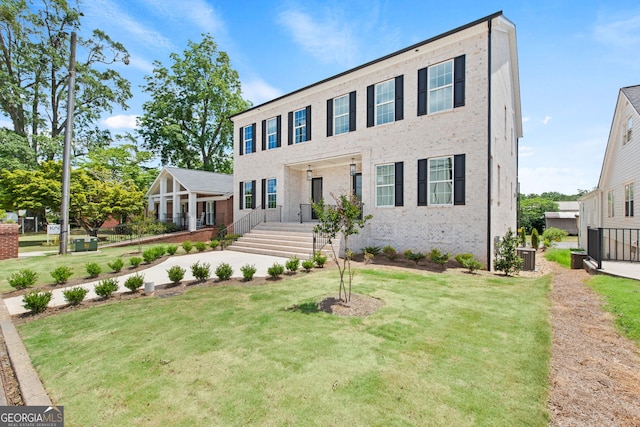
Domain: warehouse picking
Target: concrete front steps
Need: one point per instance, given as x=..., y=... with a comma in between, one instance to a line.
x=283, y=239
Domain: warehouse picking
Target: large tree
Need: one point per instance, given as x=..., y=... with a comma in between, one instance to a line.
x=15, y=152
x=34, y=56
x=187, y=120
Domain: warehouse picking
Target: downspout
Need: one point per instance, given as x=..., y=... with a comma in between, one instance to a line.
x=489, y=153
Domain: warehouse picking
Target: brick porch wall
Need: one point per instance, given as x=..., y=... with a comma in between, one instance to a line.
x=9, y=241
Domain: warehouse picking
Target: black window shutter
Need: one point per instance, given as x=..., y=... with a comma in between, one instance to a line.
x=422, y=91
x=308, y=124
x=399, y=184
x=371, y=105
x=241, y=141
x=329, y=117
x=241, y=199
x=290, y=127
x=253, y=194
x=264, y=193
x=264, y=135
x=458, y=179
x=352, y=111
x=253, y=138
x=278, y=131
x=399, y=93
x=422, y=182
x=458, y=81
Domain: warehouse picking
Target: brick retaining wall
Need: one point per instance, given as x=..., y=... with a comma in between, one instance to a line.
x=9, y=241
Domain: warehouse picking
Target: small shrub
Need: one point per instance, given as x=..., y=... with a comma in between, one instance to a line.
x=292, y=264
x=276, y=270
x=438, y=257
x=106, y=287
x=23, y=279
x=159, y=251
x=176, y=274
x=507, y=258
x=224, y=271
x=368, y=257
x=135, y=282
x=201, y=271
x=473, y=265
x=75, y=296
x=172, y=249
x=116, y=265
x=187, y=246
x=373, y=250
x=36, y=302
x=170, y=227
x=461, y=258
x=61, y=274
x=135, y=261
x=226, y=242
x=308, y=264
x=553, y=234
x=390, y=252
x=93, y=269
x=201, y=246
x=523, y=236
x=319, y=259
x=149, y=255
x=535, y=239
x=248, y=270
x=414, y=256
x=214, y=243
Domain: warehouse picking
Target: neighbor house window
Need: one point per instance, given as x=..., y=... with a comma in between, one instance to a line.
x=385, y=179
x=627, y=132
x=385, y=102
x=272, y=133
x=341, y=115
x=610, y=204
x=628, y=200
x=248, y=195
x=441, y=181
x=441, y=87
x=271, y=193
x=300, y=125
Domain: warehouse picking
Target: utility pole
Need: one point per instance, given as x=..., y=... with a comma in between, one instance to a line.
x=66, y=160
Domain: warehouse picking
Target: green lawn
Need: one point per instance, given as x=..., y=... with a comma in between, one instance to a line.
x=623, y=300
x=561, y=256
x=446, y=349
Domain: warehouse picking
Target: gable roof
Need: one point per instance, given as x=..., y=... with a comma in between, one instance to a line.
x=633, y=95
x=196, y=181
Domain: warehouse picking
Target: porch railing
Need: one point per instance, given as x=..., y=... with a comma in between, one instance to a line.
x=614, y=244
x=255, y=217
x=320, y=240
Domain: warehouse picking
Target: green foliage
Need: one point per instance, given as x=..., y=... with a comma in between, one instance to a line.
x=224, y=271
x=170, y=227
x=319, y=260
x=367, y=257
x=461, y=258
x=186, y=121
x=438, y=257
x=93, y=269
x=75, y=296
x=276, y=270
x=135, y=282
x=106, y=287
x=116, y=265
x=532, y=212
x=373, y=250
x=523, y=236
x=292, y=264
x=507, y=259
x=561, y=256
x=553, y=234
x=61, y=275
x=15, y=152
x=23, y=279
x=172, y=249
x=176, y=274
x=187, y=246
x=535, y=239
x=390, y=252
x=154, y=253
x=214, y=243
x=36, y=302
x=414, y=256
x=200, y=246
x=135, y=261
x=248, y=270
x=308, y=264
x=469, y=262
x=201, y=271
x=622, y=299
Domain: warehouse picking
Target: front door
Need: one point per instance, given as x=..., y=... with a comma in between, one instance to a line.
x=316, y=194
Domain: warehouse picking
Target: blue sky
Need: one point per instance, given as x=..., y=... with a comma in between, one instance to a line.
x=574, y=57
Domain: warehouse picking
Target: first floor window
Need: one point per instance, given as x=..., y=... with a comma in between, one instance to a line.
x=248, y=195
x=271, y=193
x=628, y=200
x=248, y=140
x=385, y=188
x=441, y=181
x=610, y=204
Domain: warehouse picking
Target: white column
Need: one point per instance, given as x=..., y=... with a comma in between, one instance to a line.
x=176, y=199
x=162, y=207
x=193, y=212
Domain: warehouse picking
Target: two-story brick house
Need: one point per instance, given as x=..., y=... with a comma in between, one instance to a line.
x=427, y=137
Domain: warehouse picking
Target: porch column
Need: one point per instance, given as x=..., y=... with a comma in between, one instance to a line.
x=176, y=200
x=150, y=205
x=162, y=207
x=193, y=212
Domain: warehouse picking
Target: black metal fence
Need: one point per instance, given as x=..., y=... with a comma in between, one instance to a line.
x=613, y=244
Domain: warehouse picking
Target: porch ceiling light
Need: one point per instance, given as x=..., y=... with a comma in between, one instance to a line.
x=352, y=168
x=309, y=173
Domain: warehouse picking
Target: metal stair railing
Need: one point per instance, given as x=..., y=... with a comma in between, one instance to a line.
x=255, y=217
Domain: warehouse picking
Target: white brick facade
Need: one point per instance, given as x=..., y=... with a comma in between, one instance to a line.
x=485, y=130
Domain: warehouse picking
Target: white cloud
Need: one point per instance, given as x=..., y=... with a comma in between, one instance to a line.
x=525, y=151
x=329, y=40
x=624, y=32
x=141, y=64
x=546, y=120
x=259, y=91
x=120, y=121
x=565, y=180
x=525, y=119
x=199, y=12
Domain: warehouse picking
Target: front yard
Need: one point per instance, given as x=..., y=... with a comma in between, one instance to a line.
x=445, y=349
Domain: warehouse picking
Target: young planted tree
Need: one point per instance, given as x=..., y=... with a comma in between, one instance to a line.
x=345, y=218
x=507, y=259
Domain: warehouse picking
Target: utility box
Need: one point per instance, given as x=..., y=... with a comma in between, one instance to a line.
x=577, y=260
x=83, y=245
x=529, y=257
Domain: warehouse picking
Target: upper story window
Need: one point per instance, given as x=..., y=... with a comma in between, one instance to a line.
x=610, y=204
x=441, y=87
x=341, y=114
x=384, y=102
x=272, y=133
x=628, y=199
x=248, y=139
x=300, y=126
x=271, y=193
x=389, y=184
x=626, y=136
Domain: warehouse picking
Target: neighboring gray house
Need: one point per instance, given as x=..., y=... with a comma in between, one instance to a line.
x=610, y=206
x=566, y=218
x=191, y=199
x=426, y=137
